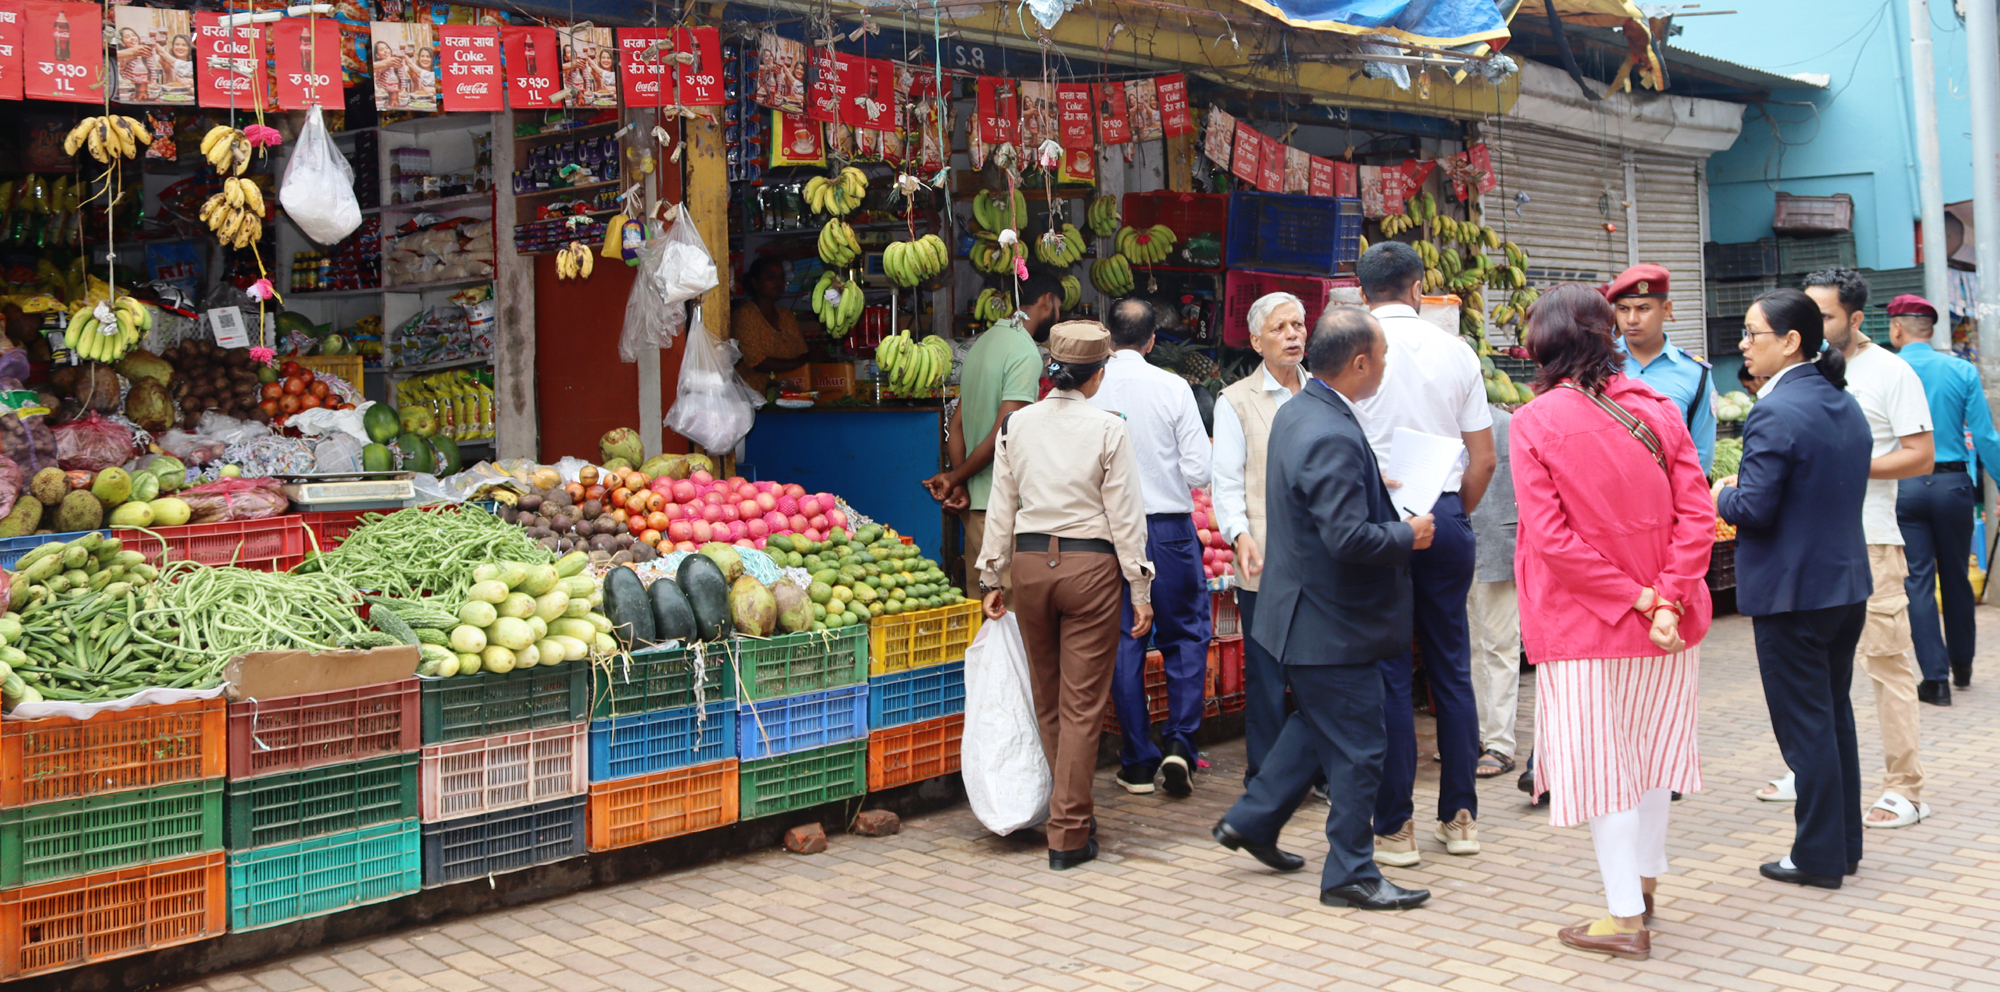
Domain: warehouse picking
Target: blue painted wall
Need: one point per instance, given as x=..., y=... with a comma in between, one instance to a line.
x=1855, y=137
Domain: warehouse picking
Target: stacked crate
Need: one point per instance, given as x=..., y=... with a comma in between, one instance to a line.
x=503, y=771
x=110, y=835
x=916, y=693
x=662, y=745
x=322, y=800
x=802, y=719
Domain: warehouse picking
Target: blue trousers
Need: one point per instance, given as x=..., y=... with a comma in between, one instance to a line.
x=1263, y=691
x=1181, y=627
x=1440, y=578
x=1935, y=515
x=1807, y=660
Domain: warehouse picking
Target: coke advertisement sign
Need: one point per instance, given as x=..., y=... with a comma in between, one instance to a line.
x=472, y=68
x=534, y=67
x=308, y=57
x=12, y=19
x=229, y=62
x=65, y=52
x=645, y=66
x=701, y=79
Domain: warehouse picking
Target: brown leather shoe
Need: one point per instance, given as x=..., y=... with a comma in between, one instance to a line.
x=1634, y=946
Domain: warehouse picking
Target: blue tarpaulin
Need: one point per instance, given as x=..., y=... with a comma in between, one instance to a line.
x=1437, y=23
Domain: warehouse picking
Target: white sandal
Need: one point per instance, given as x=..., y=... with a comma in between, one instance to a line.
x=1787, y=787
x=1906, y=812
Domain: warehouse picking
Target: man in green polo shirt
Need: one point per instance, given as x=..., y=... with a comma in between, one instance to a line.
x=1002, y=373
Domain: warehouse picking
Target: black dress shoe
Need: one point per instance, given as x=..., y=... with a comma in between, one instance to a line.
x=1375, y=893
x=1061, y=860
x=1937, y=692
x=1854, y=867
x=1777, y=872
x=1961, y=675
x=1269, y=854
x=1177, y=771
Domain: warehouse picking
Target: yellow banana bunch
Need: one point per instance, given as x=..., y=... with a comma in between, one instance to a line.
x=911, y=262
x=838, y=195
x=1062, y=248
x=994, y=212
x=1148, y=247
x=1103, y=216
x=94, y=338
x=837, y=300
x=914, y=368
x=837, y=245
x=1072, y=292
x=108, y=138
x=1515, y=256
x=575, y=261
x=995, y=258
x=992, y=306
x=1112, y=275
x=1395, y=224
x=236, y=214
x=226, y=149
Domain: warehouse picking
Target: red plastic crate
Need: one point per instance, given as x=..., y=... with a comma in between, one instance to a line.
x=331, y=527
x=488, y=774
x=1185, y=213
x=1156, y=693
x=1242, y=287
x=914, y=752
x=286, y=734
x=1232, y=703
x=55, y=758
x=112, y=914
x=1226, y=619
x=664, y=804
x=274, y=544
x=1225, y=666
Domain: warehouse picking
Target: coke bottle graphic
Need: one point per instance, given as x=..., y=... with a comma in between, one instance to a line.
x=61, y=35
x=528, y=55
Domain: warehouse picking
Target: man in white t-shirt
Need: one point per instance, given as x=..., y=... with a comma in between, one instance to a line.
x=1899, y=417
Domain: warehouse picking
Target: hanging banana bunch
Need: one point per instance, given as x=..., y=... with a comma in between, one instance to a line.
x=911, y=262
x=839, y=195
x=1148, y=247
x=1072, y=292
x=1103, y=217
x=992, y=257
x=226, y=149
x=236, y=214
x=837, y=300
x=994, y=212
x=103, y=332
x=992, y=306
x=1112, y=275
x=1060, y=249
x=108, y=138
x=575, y=261
x=914, y=368
x=838, y=247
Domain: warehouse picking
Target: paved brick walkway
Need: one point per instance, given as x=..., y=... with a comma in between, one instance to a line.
x=946, y=906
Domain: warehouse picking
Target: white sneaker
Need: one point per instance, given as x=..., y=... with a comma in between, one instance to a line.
x=1460, y=834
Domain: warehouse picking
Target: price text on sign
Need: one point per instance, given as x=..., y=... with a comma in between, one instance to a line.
x=13, y=16
x=999, y=110
x=308, y=57
x=65, y=56
x=701, y=81
x=1174, y=117
x=534, y=67
x=228, y=63
x=471, y=64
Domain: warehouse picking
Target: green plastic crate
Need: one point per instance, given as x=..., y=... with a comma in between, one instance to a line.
x=807, y=661
x=488, y=703
x=654, y=679
x=111, y=830
x=279, y=809
x=320, y=875
x=803, y=778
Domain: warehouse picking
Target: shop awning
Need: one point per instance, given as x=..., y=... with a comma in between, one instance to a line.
x=1438, y=23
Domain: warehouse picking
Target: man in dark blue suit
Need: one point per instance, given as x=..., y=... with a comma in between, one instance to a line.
x=1335, y=601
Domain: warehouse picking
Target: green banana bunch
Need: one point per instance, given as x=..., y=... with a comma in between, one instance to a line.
x=837, y=301
x=837, y=245
x=96, y=341
x=1103, y=216
x=992, y=306
x=914, y=368
x=995, y=258
x=1112, y=275
x=1060, y=249
x=993, y=212
x=1148, y=247
x=911, y=262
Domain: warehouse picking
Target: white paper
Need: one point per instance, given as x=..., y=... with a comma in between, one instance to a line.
x=1421, y=462
x=226, y=323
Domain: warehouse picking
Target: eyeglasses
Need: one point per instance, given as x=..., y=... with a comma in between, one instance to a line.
x=1750, y=335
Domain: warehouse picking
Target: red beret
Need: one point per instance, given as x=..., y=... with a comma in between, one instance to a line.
x=1911, y=304
x=1639, y=280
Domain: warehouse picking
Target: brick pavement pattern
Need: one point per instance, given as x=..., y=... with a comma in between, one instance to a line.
x=944, y=905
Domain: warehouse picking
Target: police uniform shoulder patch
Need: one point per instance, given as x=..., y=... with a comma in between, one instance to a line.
x=1703, y=362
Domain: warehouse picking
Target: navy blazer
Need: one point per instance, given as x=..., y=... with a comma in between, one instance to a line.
x=1797, y=499
x=1336, y=583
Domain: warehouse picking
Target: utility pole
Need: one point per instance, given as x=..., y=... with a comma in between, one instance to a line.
x=1930, y=184
x=1982, y=56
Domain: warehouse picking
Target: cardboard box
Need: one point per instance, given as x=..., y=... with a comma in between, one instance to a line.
x=833, y=381
x=275, y=674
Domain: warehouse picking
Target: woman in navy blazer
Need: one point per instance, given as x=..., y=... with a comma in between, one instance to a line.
x=1802, y=570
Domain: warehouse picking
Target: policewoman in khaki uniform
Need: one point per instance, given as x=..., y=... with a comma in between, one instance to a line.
x=1066, y=514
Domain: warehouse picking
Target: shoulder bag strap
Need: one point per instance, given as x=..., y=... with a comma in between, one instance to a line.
x=1700, y=393
x=1633, y=425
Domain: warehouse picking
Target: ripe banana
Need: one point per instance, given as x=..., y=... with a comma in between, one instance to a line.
x=226, y=149
x=836, y=196
x=837, y=244
x=575, y=261
x=108, y=138
x=236, y=214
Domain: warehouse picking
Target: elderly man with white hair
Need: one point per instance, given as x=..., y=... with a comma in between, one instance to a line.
x=1278, y=330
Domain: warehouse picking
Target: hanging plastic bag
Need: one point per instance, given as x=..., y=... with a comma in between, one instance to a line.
x=650, y=321
x=715, y=408
x=318, y=191
x=1006, y=775
x=686, y=270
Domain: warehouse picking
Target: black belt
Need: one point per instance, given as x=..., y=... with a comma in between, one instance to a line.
x=1038, y=543
x=1942, y=467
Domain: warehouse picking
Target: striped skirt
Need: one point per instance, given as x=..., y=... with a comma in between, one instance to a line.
x=1609, y=729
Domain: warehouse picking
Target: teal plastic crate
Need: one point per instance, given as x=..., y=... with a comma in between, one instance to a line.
x=807, y=661
x=492, y=703
x=802, y=779
x=110, y=830
x=655, y=679
x=269, y=886
x=278, y=809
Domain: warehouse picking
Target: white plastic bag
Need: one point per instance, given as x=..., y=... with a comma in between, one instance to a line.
x=1006, y=774
x=650, y=321
x=686, y=270
x=318, y=191
x=715, y=407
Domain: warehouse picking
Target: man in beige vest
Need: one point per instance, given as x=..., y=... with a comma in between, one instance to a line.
x=1277, y=325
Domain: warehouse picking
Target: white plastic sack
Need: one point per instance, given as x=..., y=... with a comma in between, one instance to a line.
x=650, y=321
x=318, y=190
x=1006, y=774
x=715, y=407
x=686, y=270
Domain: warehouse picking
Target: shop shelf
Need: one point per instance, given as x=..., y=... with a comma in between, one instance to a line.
x=651, y=742
x=12, y=548
x=921, y=637
x=496, y=703
x=1288, y=232
x=1729, y=300
x=807, y=661
x=1741, y=260
x=273, y=544
x=58, y=758
x=346, y=367
x=1813, y=214
x=806, y=778
x=487, y=774
x=661, y=678
x=664, y=804
x=110, y=830
x=1225, y=619
x=290, y=733
x=79, y=921
x=1798, y=256
x=1242, y=287
x=1186, y=214
x=509, y=840
x=279, y=809
x=916, y=696
x=802, y=722
x=320, y=875
x=1156, y=693
x=1884, y=285
x=1722, y=566
x=1225, y=666
x=914, y=752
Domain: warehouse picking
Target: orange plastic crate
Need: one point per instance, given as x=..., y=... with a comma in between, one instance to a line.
x=629, y=811
x=1225, y=666
x=273, y=544
x=56, y=758
x=112, y=914
x=1156, y=693
x=267, y=736
x=914, y=752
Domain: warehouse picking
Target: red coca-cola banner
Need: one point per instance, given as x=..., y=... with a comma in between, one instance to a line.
x=308, y=58
x=1246, y=162
x=1174, y=116
x=1346, y=179
x=12, y=21
x=534, y=67
x=65, y=52
x=701, y=80
x=473, y=76
x=999, y=110
x=229, y=62
x=1112, y=124
x=870, y=101
x=1271, y=177
x=646, y=66
x=826, y=92
x=1073, y=115
x=1319, y=179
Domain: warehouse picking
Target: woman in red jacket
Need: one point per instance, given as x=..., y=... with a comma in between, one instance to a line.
x=1616, y=525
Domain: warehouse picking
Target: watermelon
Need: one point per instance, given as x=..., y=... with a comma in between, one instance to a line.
x=626, y=606
x=377, y=458
x=444, y=452
x=416, y=454
x=291, y=322
x=700, y=579
x=381, y=423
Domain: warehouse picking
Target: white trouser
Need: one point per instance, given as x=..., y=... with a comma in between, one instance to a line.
x=1631, y=845
x=1495, y=622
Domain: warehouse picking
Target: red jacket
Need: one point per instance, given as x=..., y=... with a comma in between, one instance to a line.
x=1599, y=521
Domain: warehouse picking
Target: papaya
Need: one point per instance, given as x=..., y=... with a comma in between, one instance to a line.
x=444, y=453
x=377, y=458
x=381, y=423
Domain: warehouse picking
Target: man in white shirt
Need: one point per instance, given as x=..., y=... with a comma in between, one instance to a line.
x=1433, y=385
x=1172, y=450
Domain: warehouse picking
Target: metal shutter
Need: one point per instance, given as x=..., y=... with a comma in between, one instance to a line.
x=1570, y=183
x=1669, y=234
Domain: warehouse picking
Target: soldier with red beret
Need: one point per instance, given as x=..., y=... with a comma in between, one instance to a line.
x=1639, y=294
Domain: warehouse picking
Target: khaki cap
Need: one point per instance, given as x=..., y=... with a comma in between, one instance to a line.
x=1079, y=342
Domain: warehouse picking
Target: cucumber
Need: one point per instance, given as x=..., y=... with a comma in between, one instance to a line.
x=700, y=580
x=673, y=617
x=625, y=606
x=572, y=563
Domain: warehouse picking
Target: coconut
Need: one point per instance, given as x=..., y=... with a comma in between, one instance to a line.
x=795, y=608
x=753, y=607
x=622, y=442
x=149, y=406
x=725, y=557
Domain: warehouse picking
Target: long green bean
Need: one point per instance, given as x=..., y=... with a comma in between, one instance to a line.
x=427, y=551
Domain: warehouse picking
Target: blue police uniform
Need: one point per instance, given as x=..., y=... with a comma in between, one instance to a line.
x=1673, y=373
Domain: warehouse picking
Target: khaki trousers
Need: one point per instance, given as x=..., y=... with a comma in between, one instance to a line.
x=1495, y=620
x=1886, y=655
x=975, y=542
x=1069, y=607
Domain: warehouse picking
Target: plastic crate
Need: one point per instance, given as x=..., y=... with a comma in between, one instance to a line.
x=1186, y=214
x=486, y=774
x=1741, y=260
x=279, y=809
x=1887, y=284
x=802, y=779
x=58, y=758
x=652, y=742
x=326, y=874
x=1519, y=370
x=289, y=733
x=1725, y=335
x=661, y=678
x=509, y=840
x=913, y=697
x=501, y=703
x=1225, y=619
x=1242, y=287
x=922, y=637
x=12, y=548
x=1156, y=693
x=274, y=544
x=914, y=752
x=1798, y=256
x=347, y=367
x=808, y=661
x=111, y=830
x=1730, y=300
x=330, y=527
x=1289, y=232
x=664, y=804
x=1813, y=214
x=79, y=921
x=1722, y=566
x=802, y=722
x=1225, y=666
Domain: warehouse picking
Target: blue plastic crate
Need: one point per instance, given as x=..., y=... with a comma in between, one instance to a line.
x=915, y=696
x=644, y=743
x=509, y=840
x=796, y=723
x=12, y=548
x=1289, y=232
x=325, y=874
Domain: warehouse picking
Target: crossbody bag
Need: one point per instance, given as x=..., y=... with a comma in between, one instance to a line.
x=1633, y=425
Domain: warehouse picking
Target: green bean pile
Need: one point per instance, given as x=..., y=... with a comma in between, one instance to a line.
x=223, y=612
x=426, y=551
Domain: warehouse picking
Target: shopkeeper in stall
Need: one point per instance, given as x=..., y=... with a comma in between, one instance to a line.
x=765, y=332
